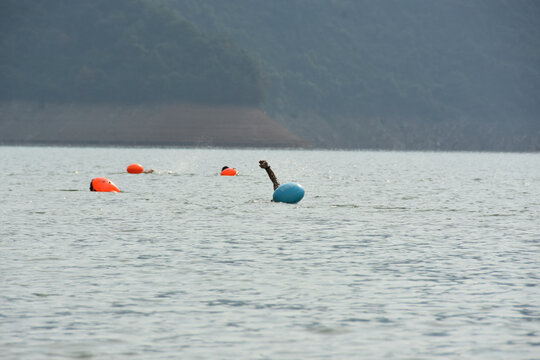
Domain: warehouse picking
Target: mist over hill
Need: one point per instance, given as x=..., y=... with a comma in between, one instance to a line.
x=417, y=74
x=118, y=51
x=392, y=74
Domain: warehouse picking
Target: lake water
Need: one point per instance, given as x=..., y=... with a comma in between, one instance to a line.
x=390, y=255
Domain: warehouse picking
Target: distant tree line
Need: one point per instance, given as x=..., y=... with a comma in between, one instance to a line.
x=118, y=51
x=396, y=60
x=335, y=71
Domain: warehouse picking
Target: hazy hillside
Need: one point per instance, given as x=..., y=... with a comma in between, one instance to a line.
x=415, y=74
x=403, y=74
x=117, y=51
x=141, y=124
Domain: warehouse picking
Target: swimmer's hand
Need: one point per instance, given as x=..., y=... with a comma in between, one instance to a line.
x=263, y=164
x=149, y=171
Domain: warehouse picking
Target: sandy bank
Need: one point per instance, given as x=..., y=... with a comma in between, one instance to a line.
x=162, y=124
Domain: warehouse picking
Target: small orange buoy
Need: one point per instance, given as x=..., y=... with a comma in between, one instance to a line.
x=102, y=184
x=135, y=169
x=227, y=171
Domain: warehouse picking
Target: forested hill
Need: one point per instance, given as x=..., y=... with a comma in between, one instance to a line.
x=408, y=74
x=118, y=51
x=414, y=74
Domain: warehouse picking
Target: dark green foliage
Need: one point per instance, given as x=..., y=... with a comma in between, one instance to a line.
x=117, y=51
x=395, y=59
x=354, y=73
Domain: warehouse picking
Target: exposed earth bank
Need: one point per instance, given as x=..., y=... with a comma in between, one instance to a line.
x=157, y=124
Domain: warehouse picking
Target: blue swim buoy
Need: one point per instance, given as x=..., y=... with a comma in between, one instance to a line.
x=289, y=193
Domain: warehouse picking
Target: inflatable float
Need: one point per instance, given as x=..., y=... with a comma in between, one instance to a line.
x=227, y=171
x=289, y=193
x=101, y=184
x=135, y=169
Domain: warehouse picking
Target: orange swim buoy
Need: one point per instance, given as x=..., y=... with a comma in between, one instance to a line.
x=229, y=172
x=102, y=184
x=135, y=169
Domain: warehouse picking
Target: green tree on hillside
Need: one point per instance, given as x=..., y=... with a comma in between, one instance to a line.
x=122, y=50
x=399, y=60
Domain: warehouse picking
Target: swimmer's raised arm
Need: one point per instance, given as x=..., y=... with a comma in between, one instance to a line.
x=264, y=165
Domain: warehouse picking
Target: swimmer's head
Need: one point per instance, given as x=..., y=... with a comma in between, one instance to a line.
x=223, y=168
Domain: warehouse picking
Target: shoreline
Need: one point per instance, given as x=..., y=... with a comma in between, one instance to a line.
x=247, y=147
x=188, y=125
x=142, y=125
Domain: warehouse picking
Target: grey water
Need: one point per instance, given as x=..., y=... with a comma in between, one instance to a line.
x=390, y=255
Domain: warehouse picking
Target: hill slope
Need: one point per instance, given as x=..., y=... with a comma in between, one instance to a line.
x=335, y=68
x=418, y=74
x=117, y=51
x=145, y=124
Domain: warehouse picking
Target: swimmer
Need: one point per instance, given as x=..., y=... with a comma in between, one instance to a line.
x=264, y=165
